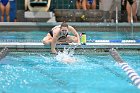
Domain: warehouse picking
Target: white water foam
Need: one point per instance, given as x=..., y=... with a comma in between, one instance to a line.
x=66, y=56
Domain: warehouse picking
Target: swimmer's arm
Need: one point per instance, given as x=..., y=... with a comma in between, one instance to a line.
x=53, y=43
x=75, y=33
x=26, y=4
x=56, y=27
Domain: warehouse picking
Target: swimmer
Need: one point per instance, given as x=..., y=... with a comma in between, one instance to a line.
x=81, y=4
x=5, y=7
x=91, y=4
x=131, y=4
x=60, y=34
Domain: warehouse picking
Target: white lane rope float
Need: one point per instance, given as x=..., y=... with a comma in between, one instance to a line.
x=135, y=78
x=3, y=53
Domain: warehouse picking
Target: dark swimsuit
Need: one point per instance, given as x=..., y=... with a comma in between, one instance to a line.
x=60, y=38
x=90, y=1
x=4, y=2
x=80, y=1
x=51, y=33
x=130, y=2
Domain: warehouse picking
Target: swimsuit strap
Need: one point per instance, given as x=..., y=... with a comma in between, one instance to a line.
x=51, y=33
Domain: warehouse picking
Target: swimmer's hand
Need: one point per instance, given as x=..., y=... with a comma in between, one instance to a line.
x=53, y=53
x=74, y=43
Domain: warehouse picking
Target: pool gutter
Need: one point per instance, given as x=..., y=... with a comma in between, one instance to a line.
x=33, y=45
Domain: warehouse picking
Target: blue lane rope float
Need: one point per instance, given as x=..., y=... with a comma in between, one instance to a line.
x=135, y=78
x=115, y=41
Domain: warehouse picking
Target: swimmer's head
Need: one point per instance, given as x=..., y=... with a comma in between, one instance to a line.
x=64, y=29
x=64, y=24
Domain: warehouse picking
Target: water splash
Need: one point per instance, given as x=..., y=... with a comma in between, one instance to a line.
x=46, y=59
x=66, y=56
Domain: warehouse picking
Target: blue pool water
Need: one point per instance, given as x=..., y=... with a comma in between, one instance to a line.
x=22, y=72
x=94, y=35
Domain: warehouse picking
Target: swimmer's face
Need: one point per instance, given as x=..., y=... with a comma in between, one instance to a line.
x=63, y=31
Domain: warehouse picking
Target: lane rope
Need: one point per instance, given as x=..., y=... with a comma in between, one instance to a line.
x=131, y=73
x=3, y=52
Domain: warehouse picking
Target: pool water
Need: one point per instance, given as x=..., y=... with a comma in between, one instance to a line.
x=94, y=35
x=32, y=72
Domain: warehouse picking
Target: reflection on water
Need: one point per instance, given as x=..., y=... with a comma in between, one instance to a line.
x=91, y=35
